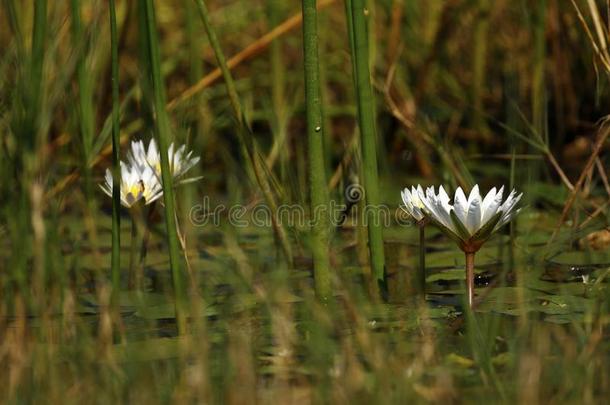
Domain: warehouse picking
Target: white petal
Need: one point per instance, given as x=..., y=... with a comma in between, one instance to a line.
x=460, y=204
x=488, y=206
x=493, y=207
x=506, y=218
x=427, y=203
x=488, y=199
x=442, y=213
x=443, y=199
x=406, y=196
x=409, y=206
x=474, y=195
x=508, y=201
x=442, y=195
x=106, y=190
x=508, y=210
x=473, y=220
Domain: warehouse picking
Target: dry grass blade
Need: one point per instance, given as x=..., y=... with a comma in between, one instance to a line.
x=250, y=51
x=581, y=179
x=600, y=44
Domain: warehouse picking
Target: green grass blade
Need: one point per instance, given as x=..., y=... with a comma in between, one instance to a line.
x=116, y=181
x=162, y=130
x=85, y=108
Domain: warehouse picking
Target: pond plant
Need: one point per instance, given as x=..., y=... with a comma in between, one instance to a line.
x=140, y=185
x=468, y=221
x=241, y=289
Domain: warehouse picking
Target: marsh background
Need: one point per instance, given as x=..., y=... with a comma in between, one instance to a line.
x=465, y=91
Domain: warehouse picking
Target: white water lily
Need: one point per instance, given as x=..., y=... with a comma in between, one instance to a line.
x=180, y=161
x=136, y=184
x=413, y=204
x=471, y=220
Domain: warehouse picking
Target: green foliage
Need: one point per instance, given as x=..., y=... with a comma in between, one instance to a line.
x=434, y=92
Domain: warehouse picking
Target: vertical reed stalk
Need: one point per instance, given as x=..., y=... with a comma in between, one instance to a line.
x=36, y=69
x=162, y=129
x=315, y=139
x=83, y=77
x=245, y=136
x=350, y=33
x=538, y=103
x=479, y=66
x=144, y=74
x=85, y=115
x=366, y=115
x=280, y=115
x=470, y=277
x=115, y=260
x=421, y=277
x=361, y=229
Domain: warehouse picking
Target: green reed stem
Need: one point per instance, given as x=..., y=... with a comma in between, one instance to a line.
x=366, y=116
x=83, y=76
x=421, y=277
x=162, y=129
x=538, y=81
x=350, y=34
x=246, y=139
x=34, y=86
x=144, y=74
x=115, y=261
x=222, y=61
x=479, y=63
x=318, y=189
x=280, y=114
x=133, y=253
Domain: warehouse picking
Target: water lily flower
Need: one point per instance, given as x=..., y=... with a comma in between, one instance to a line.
x=469, y=221
x=414, y=206
x=136, y=184
x=413, y=203
x=180, y=161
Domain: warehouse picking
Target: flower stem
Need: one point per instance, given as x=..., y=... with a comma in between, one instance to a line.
x=133, y=251
x=470, y=277
x=421, y=277
x=136, y=261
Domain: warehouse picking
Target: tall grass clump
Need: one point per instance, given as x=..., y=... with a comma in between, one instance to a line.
x=263, y=176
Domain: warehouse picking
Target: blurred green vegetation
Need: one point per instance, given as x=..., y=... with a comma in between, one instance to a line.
x=511, y=92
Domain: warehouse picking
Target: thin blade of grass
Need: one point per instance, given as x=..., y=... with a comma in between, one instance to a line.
x=162, y=130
